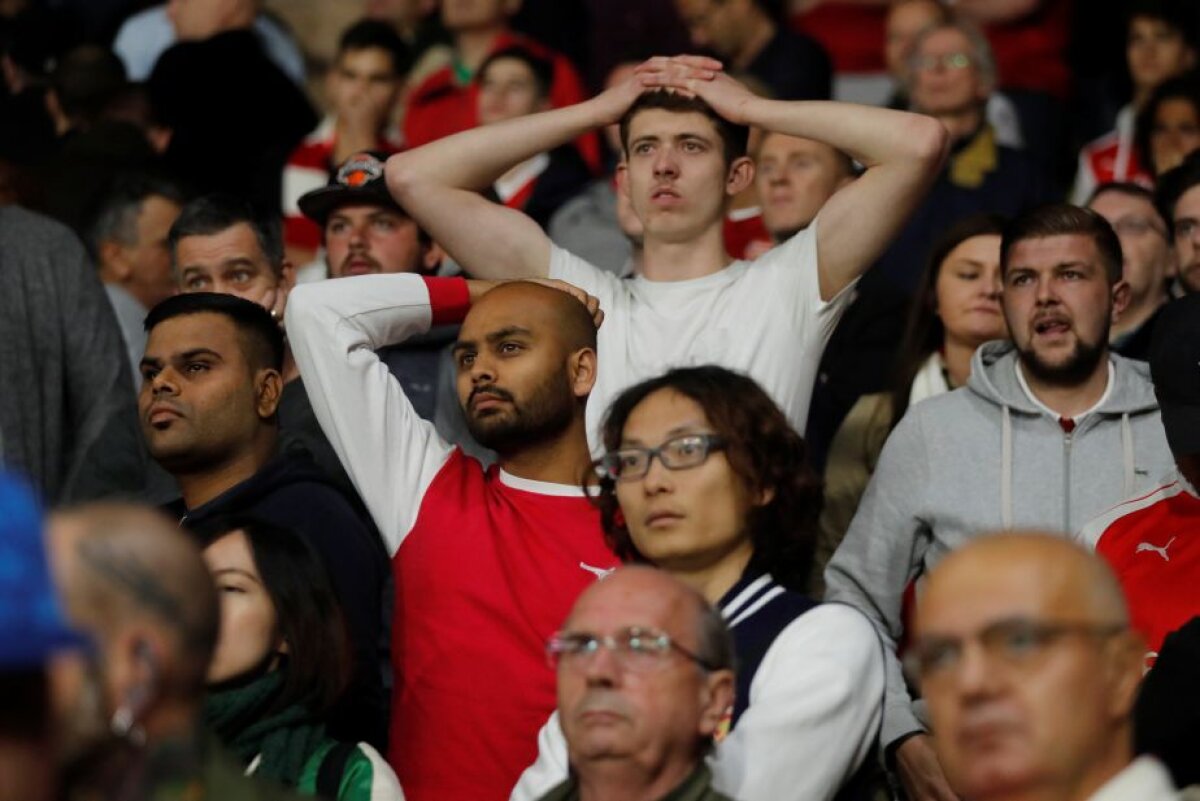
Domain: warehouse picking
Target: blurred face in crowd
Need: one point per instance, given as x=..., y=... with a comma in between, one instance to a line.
x=249, y=634
x=364, y=239
x=405, y=13
x=143, y=266
x=201, y=403
x=508, y=89
x=794, y=178
x=719, y=25
x=1060, y=305
x=517, y=382
x=462, y=15
x=676, y=176
x=364, y=83
x=1155, y=52
x=651, y=710
x=1148, y=260
x=231, y=262
x=201, y=19
x=1174, y=133
x=968, y=290
x=905, y=21
x=690, y=518
x=1029, y=678
x=1187, y=238
x=945, y=74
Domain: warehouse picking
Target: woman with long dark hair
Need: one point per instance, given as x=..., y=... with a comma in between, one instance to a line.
x=956, y=310
x=282, y=660
x=704, y=477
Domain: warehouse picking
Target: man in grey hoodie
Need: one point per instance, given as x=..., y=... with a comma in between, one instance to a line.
x=1050, y=430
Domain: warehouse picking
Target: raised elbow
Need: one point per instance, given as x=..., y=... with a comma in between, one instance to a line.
x=402, y=176
x=930, y=141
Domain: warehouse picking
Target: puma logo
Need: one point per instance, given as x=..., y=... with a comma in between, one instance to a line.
x=1146, y=546
x=602, y=573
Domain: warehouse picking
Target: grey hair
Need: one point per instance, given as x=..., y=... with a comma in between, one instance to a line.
x=116, y=218
x=981, y=51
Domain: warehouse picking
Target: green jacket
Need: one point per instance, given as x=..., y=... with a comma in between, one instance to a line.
x=365, y=777
x=696, y=787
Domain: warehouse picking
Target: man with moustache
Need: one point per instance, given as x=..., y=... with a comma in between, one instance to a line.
x=1177, y=196
x=486, y=562
x=645, y=680
x=1051, y=430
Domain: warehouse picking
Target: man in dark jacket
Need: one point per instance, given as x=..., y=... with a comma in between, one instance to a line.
x=211, y=388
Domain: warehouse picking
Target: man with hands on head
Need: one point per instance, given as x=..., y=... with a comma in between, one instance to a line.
x=486, y=562
x=683, y=130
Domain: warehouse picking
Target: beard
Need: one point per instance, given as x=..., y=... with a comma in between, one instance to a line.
x=544, y=415
x=1077, y=367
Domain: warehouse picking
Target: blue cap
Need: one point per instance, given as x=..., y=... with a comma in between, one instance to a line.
x=32, y=625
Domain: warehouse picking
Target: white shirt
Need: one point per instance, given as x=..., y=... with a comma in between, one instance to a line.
x=1144, y=780
x=764, y=318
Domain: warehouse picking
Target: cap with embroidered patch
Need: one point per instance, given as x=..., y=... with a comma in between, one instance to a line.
x=32, y=626
x=1175, y=369
x=360, y=180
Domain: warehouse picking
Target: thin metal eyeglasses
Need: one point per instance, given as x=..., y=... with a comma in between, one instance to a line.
x=1012, y=643
x=950, y=61
x=634, y=648
x=677, y=453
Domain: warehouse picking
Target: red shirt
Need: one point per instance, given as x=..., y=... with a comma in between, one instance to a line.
x=441, y=106
x=1153, y=545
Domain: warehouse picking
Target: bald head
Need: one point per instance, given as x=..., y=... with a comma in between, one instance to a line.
x=1024, y=655
x=119, y=565
x=557, y=310
x=1059, y=574
x=651, y=710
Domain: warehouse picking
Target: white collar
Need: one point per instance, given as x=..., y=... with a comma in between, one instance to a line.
x=540, y=487
x=1144, y=779
x=1108, y=387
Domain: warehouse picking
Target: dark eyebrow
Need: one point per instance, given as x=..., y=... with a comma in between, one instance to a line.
x=194, y=352
x=238, y=571
x=461, y=345
x=149, y=361
x=509, y=331
x=677, y=431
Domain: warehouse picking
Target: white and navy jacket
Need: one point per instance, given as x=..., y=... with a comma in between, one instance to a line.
x=809, y=700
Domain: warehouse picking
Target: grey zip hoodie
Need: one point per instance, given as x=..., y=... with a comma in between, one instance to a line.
x=983, y=458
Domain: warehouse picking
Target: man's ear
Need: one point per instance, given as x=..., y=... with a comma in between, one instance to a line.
x=716, y=701
x=741, y=175
x=114, y=266
x=1124, y=665
x=1120, y=298
x=431, y=259
x=268, y=391
x=582, y=364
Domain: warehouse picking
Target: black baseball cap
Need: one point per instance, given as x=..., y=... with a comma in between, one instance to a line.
x=359, y=180
x=1175, y=369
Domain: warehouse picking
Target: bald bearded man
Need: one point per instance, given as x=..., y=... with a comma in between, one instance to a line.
x=1024, y=654
x=487, y=563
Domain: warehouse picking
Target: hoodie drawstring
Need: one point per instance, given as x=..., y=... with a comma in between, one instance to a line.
x=1006, y=465
x=1127, y=453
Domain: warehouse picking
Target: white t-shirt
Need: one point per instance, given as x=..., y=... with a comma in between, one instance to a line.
x=764, y=318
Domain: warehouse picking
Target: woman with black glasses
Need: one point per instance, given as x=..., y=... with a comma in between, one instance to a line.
x=704, y=478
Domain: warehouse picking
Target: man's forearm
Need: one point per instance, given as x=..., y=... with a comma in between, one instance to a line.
x=868, y=134
x=474, y=159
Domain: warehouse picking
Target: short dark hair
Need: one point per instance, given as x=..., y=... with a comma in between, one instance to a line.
x=1182, y=87
x=1059, y=219
x=542, y=69
x=309, y=617
x=212, y=214
x=1179, y=15
x=85, y=80
x=375, y=34
x=763, y=450
x=115, y=219
x=734, y=137
x=259, y=335
x=1173, y=184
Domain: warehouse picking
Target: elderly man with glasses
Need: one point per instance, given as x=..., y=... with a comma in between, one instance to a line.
x=1024, y=654
x=645, y=680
